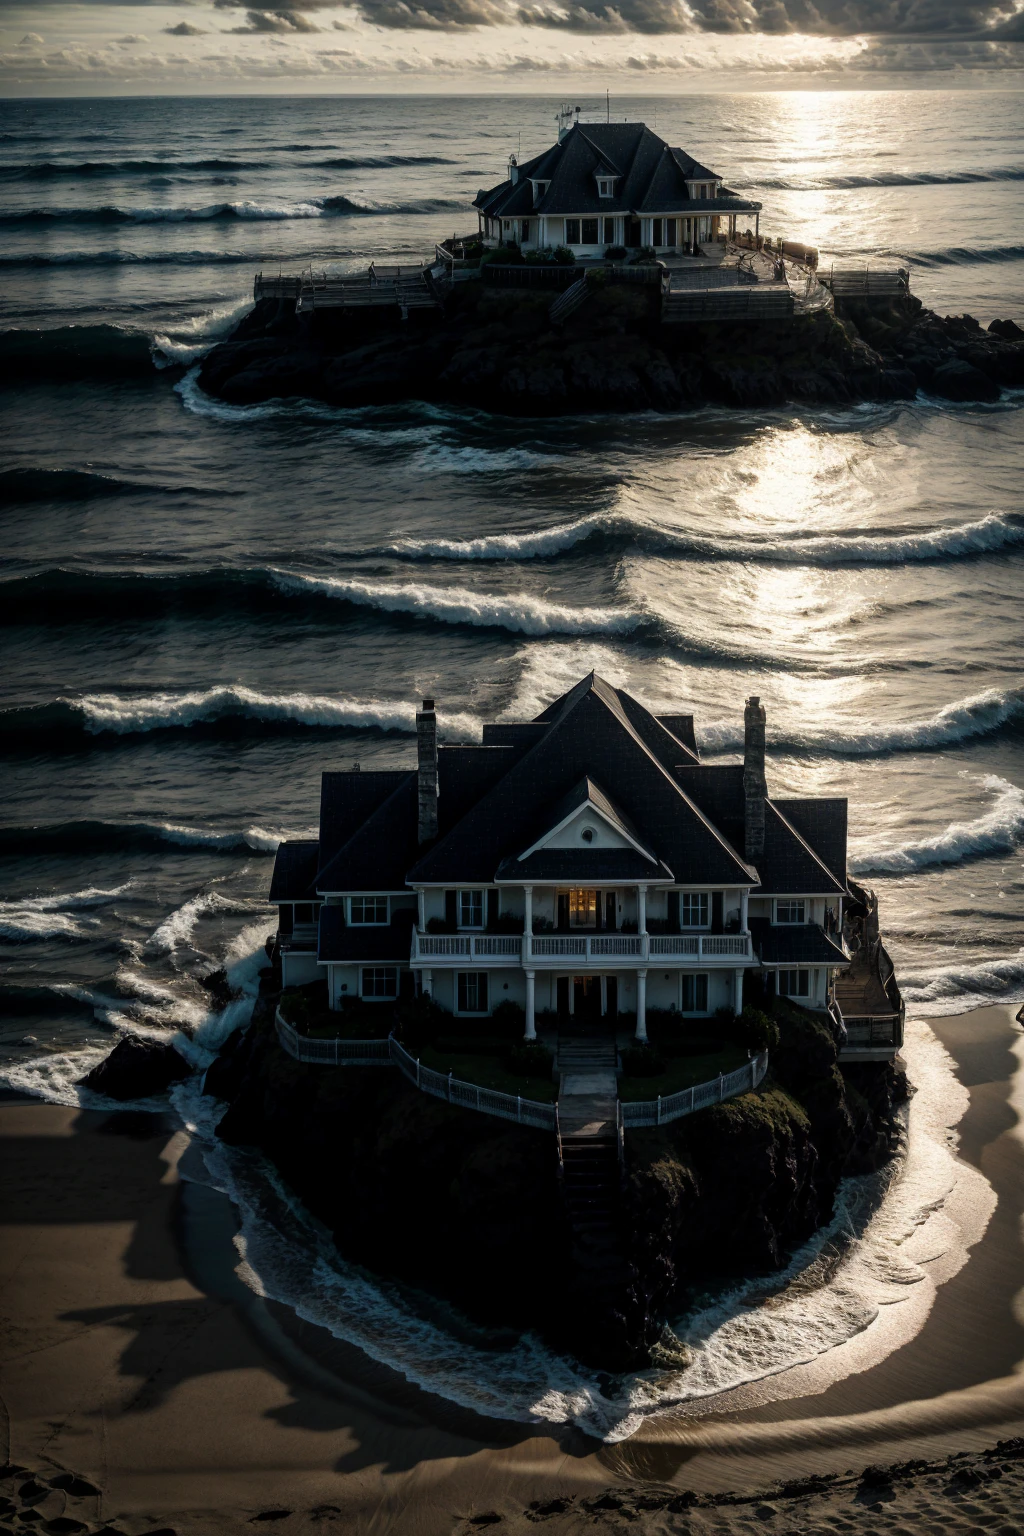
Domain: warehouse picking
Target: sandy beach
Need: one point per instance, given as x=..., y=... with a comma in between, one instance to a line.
x=135, y=1359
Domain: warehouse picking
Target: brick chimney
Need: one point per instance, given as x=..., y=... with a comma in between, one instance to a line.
x=755, y=787
x=426, y=754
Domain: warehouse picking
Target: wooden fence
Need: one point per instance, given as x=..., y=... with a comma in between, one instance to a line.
x=755, y=301
x=867, y=282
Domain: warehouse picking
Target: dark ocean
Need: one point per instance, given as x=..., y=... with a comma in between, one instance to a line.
x=204, y=606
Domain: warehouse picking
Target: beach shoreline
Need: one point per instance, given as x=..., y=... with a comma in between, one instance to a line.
x=135, y=1357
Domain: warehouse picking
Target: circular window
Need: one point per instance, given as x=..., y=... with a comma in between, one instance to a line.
x=587, y=834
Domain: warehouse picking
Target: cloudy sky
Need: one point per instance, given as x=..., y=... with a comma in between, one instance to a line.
x=108, y=47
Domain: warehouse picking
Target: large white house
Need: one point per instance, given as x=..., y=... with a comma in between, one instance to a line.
x=611, y=184
x=584, y=863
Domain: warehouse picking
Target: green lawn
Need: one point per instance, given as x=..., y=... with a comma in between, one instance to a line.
x=488, y=1072
x=682, y=1072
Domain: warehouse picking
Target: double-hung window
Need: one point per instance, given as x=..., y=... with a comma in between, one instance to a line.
x=471, y=992
x=380, y=981
x=794, y=983
x=694, y=908
x=471, y=909
x=572, y=231
x=790, y=911
x=368, y=911
x=695, y=994
x=609, y=230
x=589, y=232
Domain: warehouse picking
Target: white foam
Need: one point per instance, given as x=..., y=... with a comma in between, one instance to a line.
x=944, y=989
x=978, y=715
x=993, y=532
x=520, y=612
x=999, y=830
x=193, y=338
x=177, y=929
x=128, y=713
x=63, y=915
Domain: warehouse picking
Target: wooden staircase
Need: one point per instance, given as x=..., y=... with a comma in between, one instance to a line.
x=588, y=1136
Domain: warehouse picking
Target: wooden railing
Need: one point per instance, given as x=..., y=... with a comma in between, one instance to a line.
x=661, y=1110
x=331, y=1053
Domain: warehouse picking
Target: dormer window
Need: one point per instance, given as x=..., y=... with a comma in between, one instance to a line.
x=539, y=190
x=606, y=186
x=790, y=912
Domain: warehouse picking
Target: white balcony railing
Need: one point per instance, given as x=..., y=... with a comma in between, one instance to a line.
x=598, y=948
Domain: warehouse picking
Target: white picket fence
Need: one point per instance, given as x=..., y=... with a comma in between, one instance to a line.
x=507, y=1106
x=726, y=1086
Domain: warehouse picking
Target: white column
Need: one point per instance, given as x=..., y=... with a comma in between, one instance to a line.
x=421, y=909
x=427, y=982
x=641, y=919
x=531, y=1023
x=744, y=909
x=641, y=1005
x=738, y=997
x=527, y=922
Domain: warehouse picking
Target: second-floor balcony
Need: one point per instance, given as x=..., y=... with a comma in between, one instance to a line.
x=605, y=950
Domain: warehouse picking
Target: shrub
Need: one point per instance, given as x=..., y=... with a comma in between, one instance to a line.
x=506, y=922
x=757, y=1031
x=439, y=925
x=642, y=1061
x=562, y=256
x=509, y=1020
x=529, y=1059
x=615, y=253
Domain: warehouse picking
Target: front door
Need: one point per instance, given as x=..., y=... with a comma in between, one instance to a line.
x=586, y=999
x=632, y=233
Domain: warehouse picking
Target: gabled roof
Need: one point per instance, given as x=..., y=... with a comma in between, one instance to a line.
x=587, y=793
x=590, y=725
x=790, y=865
x=585, y=866
x=822, y=824
x=650, y=177
x=295, y=869
x=377, y=855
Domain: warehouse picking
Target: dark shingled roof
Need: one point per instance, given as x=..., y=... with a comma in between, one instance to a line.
x=295, y=870
x=590, y=726
x=346, y=800
x=801, y=944
x=681, y=727
x=790, y=864
x=466, y=773
x=822, y=823
x=650, y=177
x=377, y=855
x=389, y=945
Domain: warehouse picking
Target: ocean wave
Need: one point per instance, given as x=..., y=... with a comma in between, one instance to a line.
x=965, y=255
x=981, y=714
x=64, y=915
x=519, y=612
x=229, y=705
x=95, y=835
x=247, y=210
x=378, y=162
x=177, y=929
x=991, y=533
x=34, y=484
x=189, y=340
x=999, y=830
x=957, y=988
x=55, y=170
x=884, y=179
x=74, y=351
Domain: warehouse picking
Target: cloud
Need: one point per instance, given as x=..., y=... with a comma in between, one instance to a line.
x=31, y=39
x=435, y=15
x=185, y=29
x=277, y=21
x=628, y=16
x=134, y=37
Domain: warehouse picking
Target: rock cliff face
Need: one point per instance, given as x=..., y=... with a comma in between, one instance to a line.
x=470, y=1208
x=496, y=348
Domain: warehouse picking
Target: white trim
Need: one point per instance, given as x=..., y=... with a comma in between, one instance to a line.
x=578, y=810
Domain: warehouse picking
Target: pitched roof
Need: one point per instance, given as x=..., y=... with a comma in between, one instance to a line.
x=790, y=865
x=650, y=177
x=585, y=866
x=590, y=725
x=346, y=800
x=801, y=944
x=822, y=824
x=377, y=855
x=295, y=867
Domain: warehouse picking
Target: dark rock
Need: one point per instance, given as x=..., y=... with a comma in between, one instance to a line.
x=137, y=1069
x=63, y=1525
x=31, y=1491
x=76, y=1486
x=1009, y=330
x=962, y=381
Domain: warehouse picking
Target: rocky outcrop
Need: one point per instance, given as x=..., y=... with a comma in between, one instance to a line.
x=497, y=348
x=137, y=1069
x=470, y=1208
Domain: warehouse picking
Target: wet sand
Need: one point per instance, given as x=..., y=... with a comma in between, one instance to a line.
x=134, y=1357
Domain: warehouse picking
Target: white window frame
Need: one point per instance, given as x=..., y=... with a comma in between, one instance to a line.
x=374, y=922
x=384, y=971
x=791, y=922
x=696, y=977
x=565, y=231
x=698, y=896
x=606, y=186
x=798, y=972
x=461, y=922
x=479, y=977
